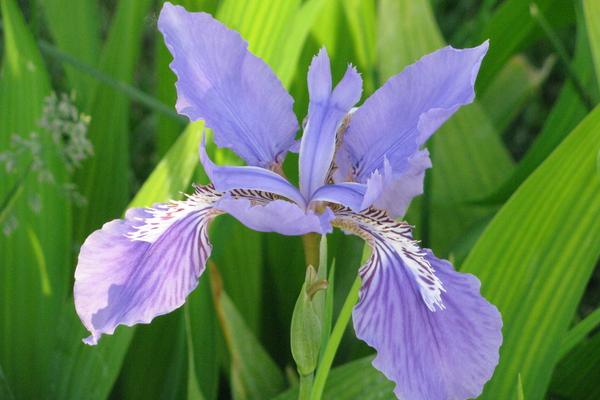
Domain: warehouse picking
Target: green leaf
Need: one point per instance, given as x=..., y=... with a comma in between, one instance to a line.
x=5, y=392
x=201, y=332
x=577, y=375
x=360, y=15
x=156, y=357
x=520, y=394
x=174, y=172
x=104, y=178
x=536, y=256
x=579, y=332
x=468, y=156
x=355, y=380
x=510, y=29
x=511, y=89
x=35, y=258
x=591, y=10
x=566, y=113
x=74, y=27
x=80, y=371
x=237, y=252
x=253, y=374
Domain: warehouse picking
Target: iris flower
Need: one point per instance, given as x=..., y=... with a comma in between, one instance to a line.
x=436, y=337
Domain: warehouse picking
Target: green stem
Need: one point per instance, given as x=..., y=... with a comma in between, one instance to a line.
x=311, y=249
x=334, y=341
x=306, y=385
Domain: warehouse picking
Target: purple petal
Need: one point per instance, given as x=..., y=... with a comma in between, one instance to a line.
x=226, y=178
x=276, y=216
x=399, y=117
x=349, y=194
x=326, y=111
x=135, y=269
x=436, y=337
x=398, y=189
x=235, y=92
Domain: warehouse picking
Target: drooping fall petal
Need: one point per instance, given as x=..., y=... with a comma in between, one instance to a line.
x=436, y=337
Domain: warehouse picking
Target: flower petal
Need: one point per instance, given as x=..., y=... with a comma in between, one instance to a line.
x=350, y=194
x=135, y=269
x=226, y=178
x=274, y=215
x=326, y=111
x=403, y=113
x=433, y=350
x=235, y=92
x=398, y=189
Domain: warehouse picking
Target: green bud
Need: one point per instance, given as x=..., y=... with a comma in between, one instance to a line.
x=306, y=325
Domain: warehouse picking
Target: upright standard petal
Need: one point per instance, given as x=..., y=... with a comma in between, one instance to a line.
x=235, y=92
x=436, y=337
x=396, y=190
x=264, y=213
x=326, y=111
x=399, y=117
x=135, y=269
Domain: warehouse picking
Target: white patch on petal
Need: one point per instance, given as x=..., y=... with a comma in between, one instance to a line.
x=386, y=235
x=162, y=216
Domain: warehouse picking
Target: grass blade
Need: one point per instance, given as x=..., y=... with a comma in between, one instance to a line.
x=536, y=257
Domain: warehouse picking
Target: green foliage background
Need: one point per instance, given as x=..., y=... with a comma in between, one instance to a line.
x=514, y=194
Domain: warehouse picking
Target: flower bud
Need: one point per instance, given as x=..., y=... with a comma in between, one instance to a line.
x=306, y=325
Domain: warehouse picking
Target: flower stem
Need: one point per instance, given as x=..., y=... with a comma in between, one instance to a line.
x=334, y=342
x=306, y=385
x=311, y=249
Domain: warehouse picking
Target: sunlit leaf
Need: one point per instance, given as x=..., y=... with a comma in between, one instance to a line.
x=536, y=257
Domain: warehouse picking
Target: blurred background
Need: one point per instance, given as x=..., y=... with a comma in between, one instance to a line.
x=88, y=128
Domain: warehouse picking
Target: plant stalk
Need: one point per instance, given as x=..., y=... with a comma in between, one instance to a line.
x=306, y=385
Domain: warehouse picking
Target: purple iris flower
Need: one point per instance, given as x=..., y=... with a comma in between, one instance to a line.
x=436, y=337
